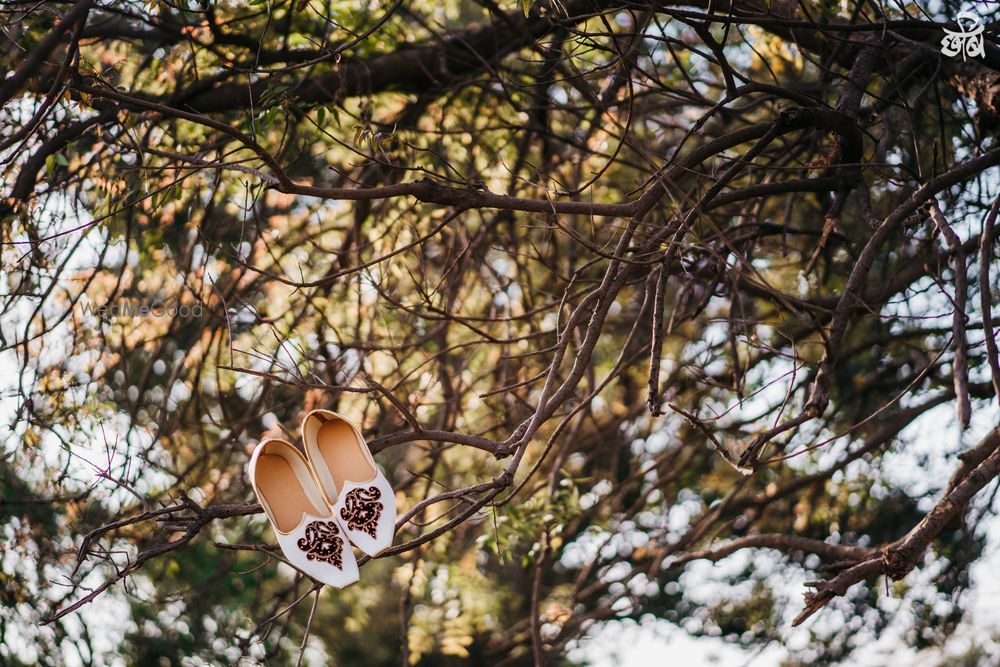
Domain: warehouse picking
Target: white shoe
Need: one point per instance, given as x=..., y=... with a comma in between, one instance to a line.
x=361, y=497
x=308, y=534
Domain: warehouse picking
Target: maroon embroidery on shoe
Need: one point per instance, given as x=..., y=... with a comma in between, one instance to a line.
x=322, y=542
x=362, y=510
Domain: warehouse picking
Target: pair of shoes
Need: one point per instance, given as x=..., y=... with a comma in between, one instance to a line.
x=319, y=501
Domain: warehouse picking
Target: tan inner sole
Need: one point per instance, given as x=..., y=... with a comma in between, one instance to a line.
x=338, y=443
x=283, y=491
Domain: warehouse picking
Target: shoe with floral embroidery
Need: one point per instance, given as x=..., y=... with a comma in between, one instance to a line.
x=361, y=497
x=309, y=535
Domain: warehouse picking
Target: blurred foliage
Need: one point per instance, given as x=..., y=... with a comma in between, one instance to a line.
x=114, y=418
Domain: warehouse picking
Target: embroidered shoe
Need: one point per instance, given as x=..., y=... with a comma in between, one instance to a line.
x=361, y=497
x=308, y=534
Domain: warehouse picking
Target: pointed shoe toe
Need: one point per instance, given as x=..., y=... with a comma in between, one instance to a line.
x=367, y=511
x=361, y=497
x=310, y=537
x=319, y=547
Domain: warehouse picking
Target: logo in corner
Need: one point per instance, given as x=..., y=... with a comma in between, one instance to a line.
x=967, y=40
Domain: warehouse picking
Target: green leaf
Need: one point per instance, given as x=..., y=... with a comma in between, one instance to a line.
x=61, y=159
x=526, y=7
